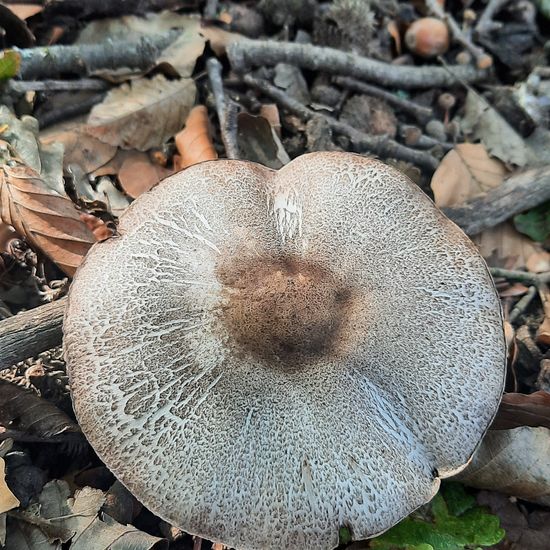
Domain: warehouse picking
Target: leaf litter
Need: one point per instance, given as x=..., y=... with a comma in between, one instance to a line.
x=102, y=165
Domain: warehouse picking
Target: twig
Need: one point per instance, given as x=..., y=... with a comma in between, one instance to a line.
x=228, y=131
x=20, y=87
x=422, y=114
x=516, y=194
x=30, y=333
x=523, y=304
x=84, y=59
x=535, y=279
x=246, y=54
x=413, y=137
x=483, y=59
x=378, y=145
x=50, y=118
x=486, y=23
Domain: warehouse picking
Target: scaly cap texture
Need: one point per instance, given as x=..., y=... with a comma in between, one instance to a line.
x=264, y=357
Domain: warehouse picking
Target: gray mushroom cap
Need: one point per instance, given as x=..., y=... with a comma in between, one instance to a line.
x=264, y=357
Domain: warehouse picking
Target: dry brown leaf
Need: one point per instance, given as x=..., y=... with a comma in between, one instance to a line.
x=503, y=246
x=8, y=500
x=514, y=462
x=24, y=11
x=518, y=409
x=539, y=262
x=194, y=143
x=82, y=149
x=220, y=39
x=466, y=172
x=98, y=227
x=142, y=114
x=49, y=221
x=137, y=173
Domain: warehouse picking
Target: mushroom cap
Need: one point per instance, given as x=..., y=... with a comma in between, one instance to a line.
x=264, y=357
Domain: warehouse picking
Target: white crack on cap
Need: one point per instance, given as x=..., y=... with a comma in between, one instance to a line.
x=264, y=357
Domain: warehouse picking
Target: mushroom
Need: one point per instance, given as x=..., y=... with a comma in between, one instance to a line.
x=263, y=357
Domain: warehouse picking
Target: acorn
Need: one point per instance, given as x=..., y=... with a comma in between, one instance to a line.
x=427, y=37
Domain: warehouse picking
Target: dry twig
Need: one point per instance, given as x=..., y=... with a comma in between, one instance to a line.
x=377, y=145
x=84, y=59
x=246, y=54
x=422, y=114
x=225, y=110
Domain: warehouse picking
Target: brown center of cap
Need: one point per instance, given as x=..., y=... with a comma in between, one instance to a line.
x=285, y=311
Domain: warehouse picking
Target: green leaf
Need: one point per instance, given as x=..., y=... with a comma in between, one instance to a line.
x=544, y=7
x=9, y=64
x=535, y=223
x=344, y=535
x=455, y=522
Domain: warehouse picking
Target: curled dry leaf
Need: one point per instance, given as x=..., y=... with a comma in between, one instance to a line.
x=25, y=416
x=194, y=142
x=49, y=221
x=514, y=462
x=518, y=409
x=142, y=114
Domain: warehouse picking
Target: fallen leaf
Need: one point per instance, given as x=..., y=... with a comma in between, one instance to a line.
x=8, y=500
x=24, y=416
x=181, y=56
x=24, y=11
x=98, y=227
x=259, y=142
x=194, y=143
x=503, y=246
x=514, y=462
x=138, y=174
x=45, y=158
x=543, y=332
x=143, y=113
x=481, y=121
x=48, y=220
x=538, y=263
x=464, y=173
x=524, y=531
x=518, y=409
x=81, y=148
x=535, y=223
x=10, y=61
x=270, y=112
x=63, y=518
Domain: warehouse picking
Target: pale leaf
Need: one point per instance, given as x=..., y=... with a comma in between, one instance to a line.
x=514, y=462
x=142, y=114
x=482, y=121
x=465, y=172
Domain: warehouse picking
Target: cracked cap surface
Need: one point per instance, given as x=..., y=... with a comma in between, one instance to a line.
x=263, y=357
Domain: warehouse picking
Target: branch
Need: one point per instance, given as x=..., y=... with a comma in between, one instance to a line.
x=85, y=59
x=31, y=332
x=517, y=193
x=246, y=54
x=377, y=145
